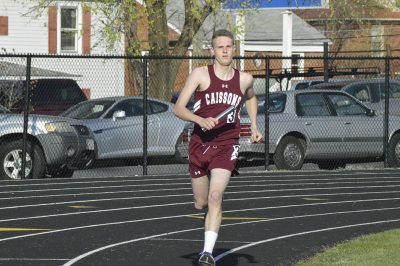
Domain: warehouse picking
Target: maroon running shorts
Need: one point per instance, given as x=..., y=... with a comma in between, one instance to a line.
x=203, y=158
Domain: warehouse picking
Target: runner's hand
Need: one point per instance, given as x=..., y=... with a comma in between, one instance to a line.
x=208, y=123
x=256, y=136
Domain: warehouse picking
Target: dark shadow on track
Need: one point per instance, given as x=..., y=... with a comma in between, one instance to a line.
x=230, y=260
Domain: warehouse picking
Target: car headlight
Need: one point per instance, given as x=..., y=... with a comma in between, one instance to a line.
x=58, y=127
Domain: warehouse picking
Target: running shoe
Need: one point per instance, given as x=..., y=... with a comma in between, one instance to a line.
x=206, y=259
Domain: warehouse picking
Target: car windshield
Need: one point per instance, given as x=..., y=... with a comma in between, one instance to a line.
x=88, y=109
x=277, y=103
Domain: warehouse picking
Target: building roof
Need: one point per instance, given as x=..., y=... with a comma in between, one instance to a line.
x=262, y=25
x=8, y=69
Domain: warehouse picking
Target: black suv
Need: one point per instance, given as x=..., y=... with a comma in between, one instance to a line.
x=47, y=96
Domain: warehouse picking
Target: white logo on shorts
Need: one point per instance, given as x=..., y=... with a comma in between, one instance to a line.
x=197, y=172
x=235, y=152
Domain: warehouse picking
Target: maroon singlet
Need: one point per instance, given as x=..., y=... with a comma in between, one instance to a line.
x=215, y=99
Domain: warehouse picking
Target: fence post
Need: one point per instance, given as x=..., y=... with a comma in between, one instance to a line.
x=386, y=117
x=266, y=113
x=326, y=62
x=26, y=114
x=145, y=65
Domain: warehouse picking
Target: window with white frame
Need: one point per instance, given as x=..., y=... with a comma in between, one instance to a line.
x=69, y=29
x=377, y=41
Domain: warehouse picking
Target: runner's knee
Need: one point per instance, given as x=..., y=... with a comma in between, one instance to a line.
x=215, y=199
x=200, y=203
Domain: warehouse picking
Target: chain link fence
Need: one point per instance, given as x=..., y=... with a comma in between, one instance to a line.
x=147, y=133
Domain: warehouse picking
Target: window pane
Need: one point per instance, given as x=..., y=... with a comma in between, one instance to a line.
x=68, y=41
x=345, y=105
x=311, y=105
x=68, y=18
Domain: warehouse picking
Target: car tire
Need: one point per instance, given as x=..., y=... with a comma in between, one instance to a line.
x=11, y=160
x=289, y=154
x=394, y=151
x=178, y=156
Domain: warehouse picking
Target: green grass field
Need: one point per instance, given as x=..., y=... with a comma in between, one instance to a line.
x=381, y=249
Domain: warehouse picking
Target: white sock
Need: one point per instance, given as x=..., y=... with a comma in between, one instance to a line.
x=210, y=237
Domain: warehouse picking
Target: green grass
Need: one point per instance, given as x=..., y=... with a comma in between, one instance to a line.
x=381, y=249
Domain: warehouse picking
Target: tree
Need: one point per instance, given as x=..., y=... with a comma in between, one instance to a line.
x=145, y=28
x=344, y=20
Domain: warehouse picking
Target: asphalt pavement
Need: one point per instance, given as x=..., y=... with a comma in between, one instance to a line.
x=270, y=218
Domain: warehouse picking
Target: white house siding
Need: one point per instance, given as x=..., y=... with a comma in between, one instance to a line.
x=28, y=34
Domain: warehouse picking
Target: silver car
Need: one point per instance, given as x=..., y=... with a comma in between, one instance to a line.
x=330, y=128
x=371, y=92
x=117, y=124
x=55, y=146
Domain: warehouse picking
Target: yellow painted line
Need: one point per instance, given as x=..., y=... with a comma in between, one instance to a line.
x=313, y=199
x=232, y=218
x=81, y=207
x=17, y=229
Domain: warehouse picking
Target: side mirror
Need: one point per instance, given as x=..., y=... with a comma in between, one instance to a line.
x=371, y=112
x=119, y=115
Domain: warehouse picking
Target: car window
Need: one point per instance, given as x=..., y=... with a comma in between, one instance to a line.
x=302, y=85
x=395, y=90
x=88, y=109
x=157, y=107
x=277, y=102
x=311, y=105
x=130, y=107
x=47, y=91
x=344, y=105
x=361, y=92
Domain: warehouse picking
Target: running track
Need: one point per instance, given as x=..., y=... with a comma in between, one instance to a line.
x=270, y=218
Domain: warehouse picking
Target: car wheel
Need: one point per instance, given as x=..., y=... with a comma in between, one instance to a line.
x=394, y=151
x=11, y=160
x=178, y=157
x=331, y=165
x=289, y=154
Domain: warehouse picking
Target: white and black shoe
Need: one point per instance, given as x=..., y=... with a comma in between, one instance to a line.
x=206, y=259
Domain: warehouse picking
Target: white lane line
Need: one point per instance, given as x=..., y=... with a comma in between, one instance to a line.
x=32, y=259
x=186, y=215
x=183, y=203
x=84, y=255
x=191, y=195
x=99, y=187
x=175, y=188
x=278, y=178
x=52, y=196
x=217, y=258
x=197, y=240
x=48, y=182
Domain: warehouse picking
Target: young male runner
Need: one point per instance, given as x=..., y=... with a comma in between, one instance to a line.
x=214, y=145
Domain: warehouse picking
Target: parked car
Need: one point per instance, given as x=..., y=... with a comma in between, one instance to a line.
x=175, y=97
x=117, y=124
x=306, y=83
x=47, y=96
x=326, y=127
x=303, y=84
x=55, y=146
x=370, y=92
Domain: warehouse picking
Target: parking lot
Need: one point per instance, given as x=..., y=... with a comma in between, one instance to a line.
x=270, y=218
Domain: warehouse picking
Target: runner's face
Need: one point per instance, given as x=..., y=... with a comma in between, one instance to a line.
x=223, y=50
